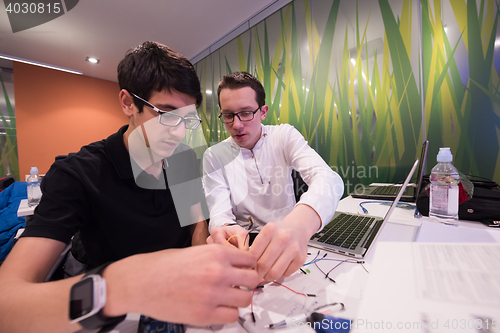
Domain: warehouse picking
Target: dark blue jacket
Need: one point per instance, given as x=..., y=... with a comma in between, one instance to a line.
x=9, y=221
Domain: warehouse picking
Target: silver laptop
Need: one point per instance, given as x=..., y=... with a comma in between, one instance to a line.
x=390, y=192
x=353, y=234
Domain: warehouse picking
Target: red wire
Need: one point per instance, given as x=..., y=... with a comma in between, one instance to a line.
x=290, y=289
x=253, y=292
x=251, y=302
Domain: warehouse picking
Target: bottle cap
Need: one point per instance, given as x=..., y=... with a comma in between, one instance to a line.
x=444, y=155
x=34, y=171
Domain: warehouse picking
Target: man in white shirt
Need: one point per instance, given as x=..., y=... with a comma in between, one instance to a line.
x=248, y=182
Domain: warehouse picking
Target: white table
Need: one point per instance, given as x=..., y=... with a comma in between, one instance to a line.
x=351, y=279
x=24, y=209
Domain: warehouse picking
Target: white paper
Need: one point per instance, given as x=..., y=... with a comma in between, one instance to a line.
x=432, y=287
x=439, y=232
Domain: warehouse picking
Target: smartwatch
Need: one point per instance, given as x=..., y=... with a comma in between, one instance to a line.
x=87, y=299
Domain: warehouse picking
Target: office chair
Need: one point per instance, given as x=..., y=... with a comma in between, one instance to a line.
x=67, y=265
x=299, y=185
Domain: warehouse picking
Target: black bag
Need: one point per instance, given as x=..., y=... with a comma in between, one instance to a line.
x=484, y=204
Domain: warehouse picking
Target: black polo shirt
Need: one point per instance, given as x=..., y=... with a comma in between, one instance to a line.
x=94, y=192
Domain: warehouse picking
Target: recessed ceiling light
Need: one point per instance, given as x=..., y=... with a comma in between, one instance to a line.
x=92, y=60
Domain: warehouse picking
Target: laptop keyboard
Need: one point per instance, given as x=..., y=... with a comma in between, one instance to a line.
x=345, y=230
x=386, y=190
x=391, y=191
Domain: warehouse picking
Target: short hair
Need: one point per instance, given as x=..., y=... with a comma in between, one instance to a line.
x=151, y=67
x=239, y=80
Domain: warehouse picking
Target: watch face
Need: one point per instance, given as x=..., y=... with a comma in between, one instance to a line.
x=81, y=298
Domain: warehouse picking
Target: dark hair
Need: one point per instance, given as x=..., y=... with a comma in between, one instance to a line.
x=153, y=67
x=239, y=80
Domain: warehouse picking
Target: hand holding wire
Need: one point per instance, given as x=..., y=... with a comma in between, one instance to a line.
x=233, y=234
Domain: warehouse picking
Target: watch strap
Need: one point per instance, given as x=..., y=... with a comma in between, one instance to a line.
x=99, y=320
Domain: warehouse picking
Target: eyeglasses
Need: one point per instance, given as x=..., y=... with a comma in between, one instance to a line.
x=228, y=118
x=168, y=118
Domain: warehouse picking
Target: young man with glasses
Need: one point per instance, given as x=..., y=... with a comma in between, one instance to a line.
x=120, y=194
x=249, y=187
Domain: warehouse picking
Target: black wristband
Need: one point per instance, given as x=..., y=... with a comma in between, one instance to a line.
x=99, y=320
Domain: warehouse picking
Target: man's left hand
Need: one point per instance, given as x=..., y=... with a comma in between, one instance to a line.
x=281, y=247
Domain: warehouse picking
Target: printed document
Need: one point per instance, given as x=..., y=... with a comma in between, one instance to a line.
x=432, y=287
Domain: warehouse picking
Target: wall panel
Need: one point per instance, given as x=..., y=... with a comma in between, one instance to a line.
x=58, y=112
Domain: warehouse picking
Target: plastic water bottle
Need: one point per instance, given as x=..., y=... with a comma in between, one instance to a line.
x=33, y=184
x=443, y=203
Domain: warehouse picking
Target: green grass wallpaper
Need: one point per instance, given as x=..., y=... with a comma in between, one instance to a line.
x=462, y=111
x=347, y=75
x=9, y=163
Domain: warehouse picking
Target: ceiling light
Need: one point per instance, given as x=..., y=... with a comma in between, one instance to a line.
x=92, y=60
x=209, y=92
x=36, y=63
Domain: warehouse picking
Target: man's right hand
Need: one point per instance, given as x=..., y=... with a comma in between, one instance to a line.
x=195, y=285
x=220, y=235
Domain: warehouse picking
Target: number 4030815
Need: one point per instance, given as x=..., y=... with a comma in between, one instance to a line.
x=479, y=323
x=33, y=8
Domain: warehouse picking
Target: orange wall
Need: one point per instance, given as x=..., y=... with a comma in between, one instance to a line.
x=58, y=112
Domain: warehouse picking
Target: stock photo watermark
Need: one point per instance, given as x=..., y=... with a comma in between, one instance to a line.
x=450, y=324
x=358, y=172
x=24, y=15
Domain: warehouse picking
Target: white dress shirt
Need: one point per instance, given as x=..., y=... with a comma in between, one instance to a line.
x=257, y=182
